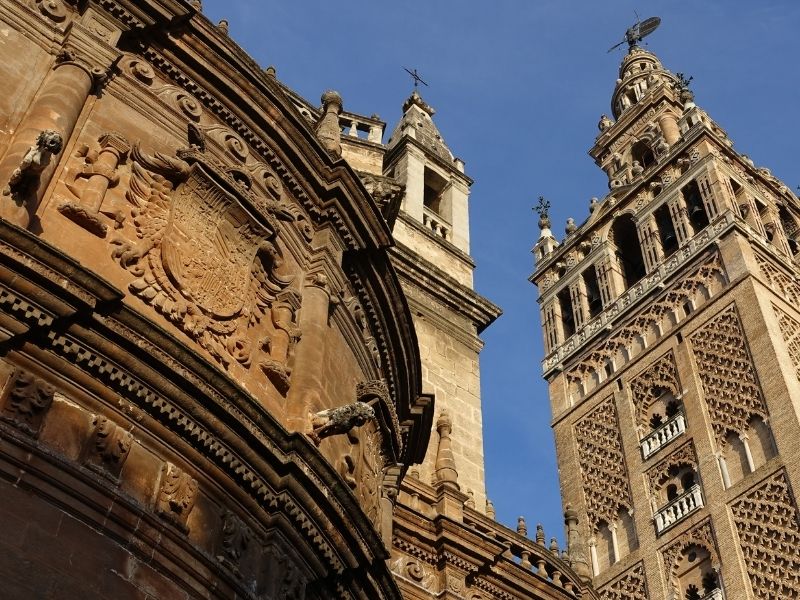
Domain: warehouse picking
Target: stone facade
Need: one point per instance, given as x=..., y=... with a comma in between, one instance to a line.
x=211, y=382
x=670, y=319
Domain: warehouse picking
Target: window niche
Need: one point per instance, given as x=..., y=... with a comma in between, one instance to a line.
x=592, y=287
x=643, y=154
x=694, y=574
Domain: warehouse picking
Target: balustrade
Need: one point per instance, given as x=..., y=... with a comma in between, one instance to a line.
x=663, y=435
x=435, y=223
x=680, y=508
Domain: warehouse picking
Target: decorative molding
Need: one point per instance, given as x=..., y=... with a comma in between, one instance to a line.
x=631, y=585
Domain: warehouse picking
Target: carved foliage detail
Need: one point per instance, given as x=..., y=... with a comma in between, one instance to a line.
x=176, y=495
x=730, y=387
x=790, y=328
x=646, y=388
x=781, y=283
x=108, y=447
x=605, y=480
x=767, y=523
x=632, y=585
x=27, y=401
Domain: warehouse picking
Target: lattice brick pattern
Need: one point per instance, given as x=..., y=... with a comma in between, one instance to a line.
x=790, y=329
x=767, y=522
x=781, y=283
x=730, y=387
x=605, y=481
x=631, y=586
x=661, y=375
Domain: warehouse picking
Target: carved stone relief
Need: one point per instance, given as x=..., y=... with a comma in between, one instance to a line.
x=661, y=472
x=176, y=495
x=602, y=463
x=766, y=520
x=108, y=447
x=234, y=540
x=730, y=387
x=206, y=256
x=27, y=400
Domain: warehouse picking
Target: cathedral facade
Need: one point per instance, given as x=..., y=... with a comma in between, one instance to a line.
x=238, y=332
x=670, y=320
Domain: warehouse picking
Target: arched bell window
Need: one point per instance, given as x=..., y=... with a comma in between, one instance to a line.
x=628, y=249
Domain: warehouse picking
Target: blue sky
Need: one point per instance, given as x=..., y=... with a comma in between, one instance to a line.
x=519, y=86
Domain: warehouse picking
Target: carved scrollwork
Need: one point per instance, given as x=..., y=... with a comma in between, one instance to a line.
x=141, y=70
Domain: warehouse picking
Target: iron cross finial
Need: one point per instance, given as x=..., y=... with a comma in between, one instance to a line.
x=416, y=77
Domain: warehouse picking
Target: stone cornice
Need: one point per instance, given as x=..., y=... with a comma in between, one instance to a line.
x=444, y=288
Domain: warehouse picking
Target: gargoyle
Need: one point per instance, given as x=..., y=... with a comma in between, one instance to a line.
x=339, y=420
x=35, y=161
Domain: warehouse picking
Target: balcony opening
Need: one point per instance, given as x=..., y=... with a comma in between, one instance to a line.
x=666, y=230
x=592, y=287
x=662, y=421
x=694, y=206
x=567, y=316
x=629, y=251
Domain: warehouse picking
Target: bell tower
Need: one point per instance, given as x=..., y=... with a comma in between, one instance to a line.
x=435, y=267
x=671, y=320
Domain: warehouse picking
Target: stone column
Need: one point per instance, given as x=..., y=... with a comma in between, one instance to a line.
x=83, y=62
x=748, y=454
x=723, y=469
x=304, y=393
x=669, y=128
x=650, y=242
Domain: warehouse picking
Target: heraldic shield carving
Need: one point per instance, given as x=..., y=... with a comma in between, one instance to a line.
x=206, y=256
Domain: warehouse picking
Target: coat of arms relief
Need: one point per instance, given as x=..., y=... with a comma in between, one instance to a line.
x=206, y=256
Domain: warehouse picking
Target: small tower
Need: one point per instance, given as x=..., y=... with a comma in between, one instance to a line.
x=432, y=258
x=671, y=319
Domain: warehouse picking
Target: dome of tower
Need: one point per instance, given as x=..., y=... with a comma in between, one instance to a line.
x=640, y=71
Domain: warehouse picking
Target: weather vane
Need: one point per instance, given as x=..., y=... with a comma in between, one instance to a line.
x=638, y=32
x=416, y=77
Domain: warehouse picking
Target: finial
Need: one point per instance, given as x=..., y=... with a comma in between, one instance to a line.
x=605, y=122
x=223, y=26
x=270, y=71
x=490, y=512
x=522, y=528
x=542, y=208
x=571, y=227
x=446, y=473
x=685, y=94
x=470, y=502
x=554, y=546
x=540, y=534
x=416, y=77
x=328, y=131
x=593, y=204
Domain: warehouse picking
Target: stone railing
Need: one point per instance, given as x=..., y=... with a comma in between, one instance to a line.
x=680, y=508
x=663, y=435
x=631, y=297
x=715, y=594
x=435, y=223
x=363, y=128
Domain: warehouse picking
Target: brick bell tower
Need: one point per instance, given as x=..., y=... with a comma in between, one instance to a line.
x=671, y=320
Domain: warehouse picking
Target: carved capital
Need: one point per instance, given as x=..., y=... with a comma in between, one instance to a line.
x=234, y=540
